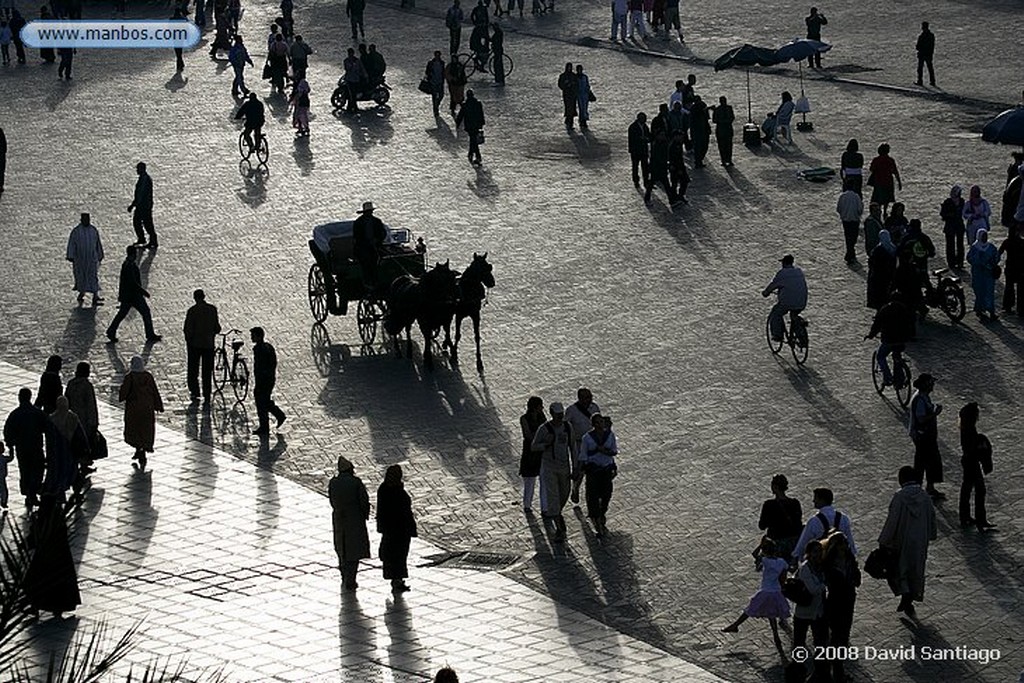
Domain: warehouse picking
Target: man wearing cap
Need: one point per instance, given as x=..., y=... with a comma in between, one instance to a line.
x=557, y=445
x=368, y=234
x=201, y=328
x=791, y=285
x=579, y=415
x=85, y=251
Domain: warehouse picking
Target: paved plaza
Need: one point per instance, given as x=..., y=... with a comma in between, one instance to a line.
x=656, y=309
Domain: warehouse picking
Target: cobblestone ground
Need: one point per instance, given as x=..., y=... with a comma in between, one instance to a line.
x=657, y=310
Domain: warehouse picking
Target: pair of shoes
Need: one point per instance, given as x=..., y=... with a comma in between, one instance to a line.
x=918, y=83
x=280, y=420
x=151, y=245
x=153, y=338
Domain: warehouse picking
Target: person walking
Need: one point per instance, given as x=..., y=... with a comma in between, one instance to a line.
x=984, y=259
x=350, y=503
x=50, y=583
x=142, y=205
x=814, y=23
x=434, y=73
x=3, y=159
x=5, y=40
x=825, y=520
x=924, y=432
x=872, y=228
x=723, y=117
x=768, y=602
x=842, y=579
x=277, y=59
x=131, y=294
x=884, y=177
x=908, y=529
x=781, y=517
x=498, y=51
x=925, y=53
x=67, y=447
x=471, y=118
x=1013, y=290
x=850, y=208
x=202, y=325
x=976, y=214
x=264, y=371
x=179, y=56
x=67, y=56
x=24, y=431
x=142, y=402
x=636, y=20
x=851, y=168
x=300, y=108
x=81, y=396
x=85, y=251
x=658, y=170
x=299, y=54
x=579, y=415
x=17, y=23
x=556, y=443
x=50, y=385
x=396, y=526
x=583, y=96
x=953, y=227
x=453, y=19
x=455, y=77
x=976, y=462
x=639, y=136
x=597, y=462
x=354, y=11
x=529, y=460
x=700, y=130
x=679, y=177
x=569, y=84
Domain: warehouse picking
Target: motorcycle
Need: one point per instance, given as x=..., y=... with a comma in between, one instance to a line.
x=379, y=93
x=948, y=294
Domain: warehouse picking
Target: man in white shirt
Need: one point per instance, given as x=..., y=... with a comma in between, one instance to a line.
x=824, y=521
x=579, y=415
x=850, y=208
x=556, y=443
x=597, y=460
x=791, y=285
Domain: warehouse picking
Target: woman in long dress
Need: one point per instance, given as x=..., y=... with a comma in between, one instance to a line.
x=351, y=505
x=66, y=447
x=51, y=584
x=397, y=527
x=142, y=402
x=984, y=257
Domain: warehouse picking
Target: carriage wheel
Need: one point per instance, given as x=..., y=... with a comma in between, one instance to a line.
x=369, y=313
x=317, y=294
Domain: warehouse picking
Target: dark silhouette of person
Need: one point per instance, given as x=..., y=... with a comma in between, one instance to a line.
x=471, y=117
x=50, y=385
x=723, y=118
x=3, y=159
x=814, y=23
x=397, y=527
x=264, y=370
x=925, y=53
x=498, y=53
x=368, y=234
x=639, y=149
x=131, y=294
x=350, y=504
x=142, y=204
x=201, y=328
x=976, y=462
x=23, y=433
x=569, y=84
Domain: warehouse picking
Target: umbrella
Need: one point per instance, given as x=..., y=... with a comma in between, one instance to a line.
x=1006, y=129
x=800, y=49
x=746, y=55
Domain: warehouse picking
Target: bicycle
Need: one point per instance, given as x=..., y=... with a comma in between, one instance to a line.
x=794, y=334
x=902, y=379
x=236, y=372
x=472, y=65
x=246, y=148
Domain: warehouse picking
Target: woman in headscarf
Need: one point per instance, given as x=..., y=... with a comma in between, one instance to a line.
x=976, y=214
x=50, y=385
x=351, y=505
x=50, y=582
x=141, y=403
x=300, y=105
x=984, y=259
x=952, y=214
x=66, y=446
x=881, y=270
x=396, y=526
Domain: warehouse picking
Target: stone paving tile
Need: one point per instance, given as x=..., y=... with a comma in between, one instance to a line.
x=187, y=595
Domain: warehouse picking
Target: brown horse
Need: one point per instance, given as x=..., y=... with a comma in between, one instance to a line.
x=425, y=301
x=473, y=285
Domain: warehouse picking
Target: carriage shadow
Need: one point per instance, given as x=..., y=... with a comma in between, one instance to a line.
x=410, y=410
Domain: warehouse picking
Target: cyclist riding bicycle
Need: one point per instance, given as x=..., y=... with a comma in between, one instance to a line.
x=254, y=114
x=791, y=286
x=895, y=322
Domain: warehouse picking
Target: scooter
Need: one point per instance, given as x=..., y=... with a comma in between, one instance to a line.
x=948, y=294
x=379, y=93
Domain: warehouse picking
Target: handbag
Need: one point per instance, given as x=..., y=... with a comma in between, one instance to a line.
x=880, y=563
x=480, y=137
x=795, y=589
x=424, y=87
x=266, y=71
x=591, y=97
x=99, y=446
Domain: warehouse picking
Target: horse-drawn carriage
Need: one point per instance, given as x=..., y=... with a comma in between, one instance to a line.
x=336, y=278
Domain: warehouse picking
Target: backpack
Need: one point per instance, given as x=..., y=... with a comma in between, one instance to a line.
x=826, y=530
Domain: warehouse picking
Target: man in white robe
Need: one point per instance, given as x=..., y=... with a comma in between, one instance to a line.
x=85, y=251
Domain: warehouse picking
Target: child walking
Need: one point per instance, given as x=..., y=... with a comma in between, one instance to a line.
x=768, y=602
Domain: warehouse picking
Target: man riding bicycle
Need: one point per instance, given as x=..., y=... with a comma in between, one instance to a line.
x=255, y=116
x=895, y=322
x=791, y=286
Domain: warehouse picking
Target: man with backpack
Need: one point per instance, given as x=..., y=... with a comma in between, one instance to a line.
x=556, y=443
x=823, y=522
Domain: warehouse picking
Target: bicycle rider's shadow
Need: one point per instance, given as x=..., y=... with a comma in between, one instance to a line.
x=254, y=189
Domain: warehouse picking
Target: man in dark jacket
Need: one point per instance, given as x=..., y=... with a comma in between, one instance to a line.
x=368, y=234
x=814, y=23
x=23, y=433
x=569, y=84
x=201, y=328
x=925, y=53
x=17, y=23
x=895, y=322
x=471, y=117
x=659, y=166
x=639, y=144
x=131, y=294
x=913, y=253
x=142, y=204
x=264, y=371
x=354, y=10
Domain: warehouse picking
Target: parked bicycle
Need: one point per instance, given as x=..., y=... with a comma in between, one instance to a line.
x=794, y=334
x=902, y=379
x=235, y=372
x=471, y=63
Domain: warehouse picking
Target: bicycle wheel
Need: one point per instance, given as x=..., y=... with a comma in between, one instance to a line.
x=240, y=379
x=468, y=62
x=220, y=369
x=876, y=373
x=244, y=148
x=263, y=150
x=775, y=346
x=798, y=341
x=902, y=381
x=505, y=59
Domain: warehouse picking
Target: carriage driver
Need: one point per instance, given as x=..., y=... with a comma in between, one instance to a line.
x=368, y=234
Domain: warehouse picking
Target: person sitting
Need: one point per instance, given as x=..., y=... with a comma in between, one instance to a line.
x=375, y=67
x=368, y=234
